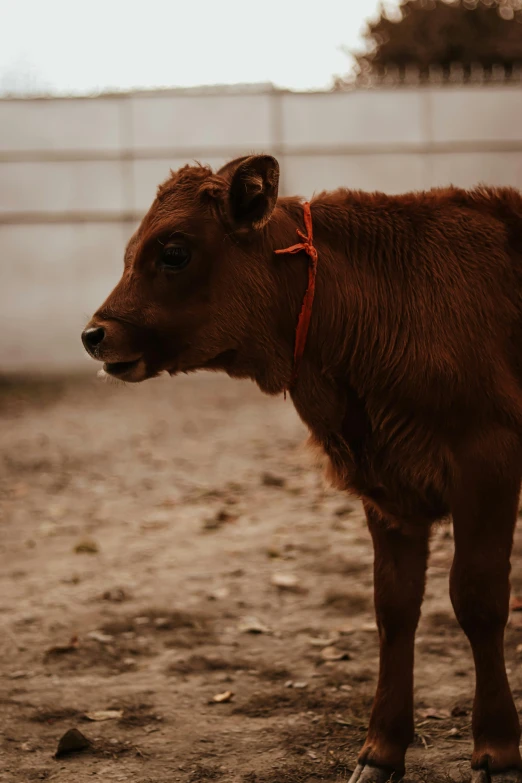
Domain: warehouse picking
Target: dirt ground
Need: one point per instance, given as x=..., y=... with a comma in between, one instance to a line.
x=166, y=544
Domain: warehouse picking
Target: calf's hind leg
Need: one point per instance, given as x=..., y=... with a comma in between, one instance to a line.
x=399, y=577
x=484, y=507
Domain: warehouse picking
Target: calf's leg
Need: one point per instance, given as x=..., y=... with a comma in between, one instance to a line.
x=399, y=577
x=484, y=507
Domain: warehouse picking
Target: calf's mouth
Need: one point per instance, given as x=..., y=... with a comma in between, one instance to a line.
x=132, y=371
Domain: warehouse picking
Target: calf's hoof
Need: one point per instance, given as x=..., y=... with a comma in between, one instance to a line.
x=364, y=773
x=509, y=776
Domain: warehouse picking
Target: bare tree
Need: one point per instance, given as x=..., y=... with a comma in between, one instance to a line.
x=440, y=33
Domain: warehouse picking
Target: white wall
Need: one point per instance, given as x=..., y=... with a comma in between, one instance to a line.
x=76, y=174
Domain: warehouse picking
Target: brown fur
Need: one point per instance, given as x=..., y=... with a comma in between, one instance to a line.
x=411, y=381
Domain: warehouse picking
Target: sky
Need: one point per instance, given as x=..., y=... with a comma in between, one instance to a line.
x=65, y=46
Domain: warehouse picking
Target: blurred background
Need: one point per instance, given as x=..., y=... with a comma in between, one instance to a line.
x=176, y=581
x=99, y=102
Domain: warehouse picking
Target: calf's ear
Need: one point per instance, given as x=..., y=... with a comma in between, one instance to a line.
x=252, y=193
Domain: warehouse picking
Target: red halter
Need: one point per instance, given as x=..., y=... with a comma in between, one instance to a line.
x=306, y=309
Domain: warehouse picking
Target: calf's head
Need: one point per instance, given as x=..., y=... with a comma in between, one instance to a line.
x=200, y=284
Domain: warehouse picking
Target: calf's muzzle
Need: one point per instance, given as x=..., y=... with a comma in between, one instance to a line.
x=92, y=337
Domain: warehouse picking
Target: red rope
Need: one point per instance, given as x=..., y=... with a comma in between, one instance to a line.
x=303, y=322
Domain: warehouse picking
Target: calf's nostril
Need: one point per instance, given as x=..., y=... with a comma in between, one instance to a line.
x=93, y=337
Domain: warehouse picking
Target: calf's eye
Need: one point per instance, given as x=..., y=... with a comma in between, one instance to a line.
x=175, y=257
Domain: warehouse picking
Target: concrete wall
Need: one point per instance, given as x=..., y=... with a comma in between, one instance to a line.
x=76, y=175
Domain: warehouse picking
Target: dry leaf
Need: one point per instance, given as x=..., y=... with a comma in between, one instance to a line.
x=222, y=698
x=253, y=625
x=98, y=636
x=346, y=629
x=104, y=715
x=285, y=581
x=333, y=654
x=433, y=714
x=322, y=641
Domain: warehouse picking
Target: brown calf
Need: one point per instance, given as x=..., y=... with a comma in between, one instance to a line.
x=410, y=383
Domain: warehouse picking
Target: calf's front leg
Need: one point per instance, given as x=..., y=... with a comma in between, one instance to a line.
x=484, y=508
x=399, y=577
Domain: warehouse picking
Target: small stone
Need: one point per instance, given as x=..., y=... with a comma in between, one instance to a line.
x=86, y=546
x=454, y=732
x=270, y=480
x=219, y=594
x=219, y=519
x=63, y=649
x=459, y=711
x=73, y=741
x=116, y=595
